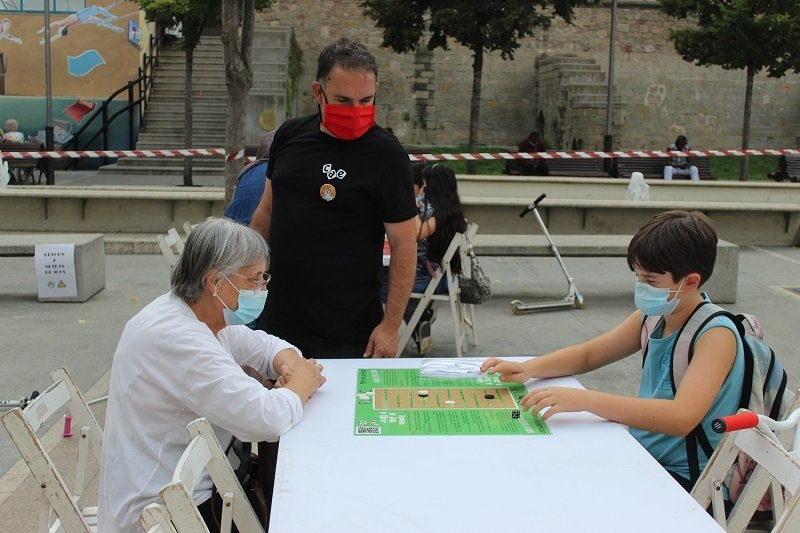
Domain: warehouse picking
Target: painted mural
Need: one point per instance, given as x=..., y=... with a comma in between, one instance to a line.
x=91, y=53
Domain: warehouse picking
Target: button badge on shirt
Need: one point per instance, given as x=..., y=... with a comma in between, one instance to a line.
x=327, y=192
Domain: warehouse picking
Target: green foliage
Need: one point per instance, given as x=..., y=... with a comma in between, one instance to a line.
x=496, y=25
x=727, y=167
x=739, y=34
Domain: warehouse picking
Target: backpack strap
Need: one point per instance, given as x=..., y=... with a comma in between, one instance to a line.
x=649, y=325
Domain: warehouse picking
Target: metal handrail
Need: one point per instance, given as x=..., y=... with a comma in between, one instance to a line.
x=144, y=84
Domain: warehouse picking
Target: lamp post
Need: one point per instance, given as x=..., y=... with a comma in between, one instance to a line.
x=608, y=139
x=48, y=162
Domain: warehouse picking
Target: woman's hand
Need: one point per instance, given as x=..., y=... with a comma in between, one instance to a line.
x=303, y=378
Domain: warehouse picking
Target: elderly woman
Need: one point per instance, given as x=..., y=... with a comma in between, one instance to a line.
x=182, y=357
x=11, y=134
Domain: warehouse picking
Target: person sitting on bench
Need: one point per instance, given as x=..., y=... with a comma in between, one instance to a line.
x=679, y=165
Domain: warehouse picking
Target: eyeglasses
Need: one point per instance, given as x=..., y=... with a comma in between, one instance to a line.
x=258, y=284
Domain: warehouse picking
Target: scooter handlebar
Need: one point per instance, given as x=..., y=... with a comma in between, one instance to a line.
x=532, y=206
x=725, y=424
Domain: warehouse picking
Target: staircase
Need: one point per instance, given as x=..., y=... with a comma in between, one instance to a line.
x=163, y=124
x=572, y=93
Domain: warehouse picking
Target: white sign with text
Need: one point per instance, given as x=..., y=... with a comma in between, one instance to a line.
x=55, y=270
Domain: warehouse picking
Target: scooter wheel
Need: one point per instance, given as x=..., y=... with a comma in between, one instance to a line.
x=515, y=307
x=580, y=303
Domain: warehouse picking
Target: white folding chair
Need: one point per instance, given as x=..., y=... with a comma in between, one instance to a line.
x=171, y=246
x=452, y=296
x=154, y=518
x=775, y=470
x=188, y=227
x=468, y=310
x=204, y=452
x=58, y=498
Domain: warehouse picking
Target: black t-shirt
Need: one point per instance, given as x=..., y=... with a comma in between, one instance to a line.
x=330, y=199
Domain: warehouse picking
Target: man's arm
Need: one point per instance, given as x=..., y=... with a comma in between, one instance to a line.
x=262, y=216
x=403, y=242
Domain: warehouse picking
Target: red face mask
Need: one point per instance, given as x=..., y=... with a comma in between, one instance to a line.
x=347, y=122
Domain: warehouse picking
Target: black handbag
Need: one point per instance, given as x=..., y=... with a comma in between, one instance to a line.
x=477, y=288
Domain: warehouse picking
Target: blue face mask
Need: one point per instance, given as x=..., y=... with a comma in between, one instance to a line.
x=652, y=301
x=251, y=303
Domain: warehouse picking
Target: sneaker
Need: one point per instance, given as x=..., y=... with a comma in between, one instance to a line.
x=423, y=331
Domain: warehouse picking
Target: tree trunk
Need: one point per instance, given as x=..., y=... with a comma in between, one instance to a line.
x=475, y=105
x=748, y=104
x=187, y=116
x=238, y=79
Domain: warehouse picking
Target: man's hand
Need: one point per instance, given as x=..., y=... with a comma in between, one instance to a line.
x=382, y=342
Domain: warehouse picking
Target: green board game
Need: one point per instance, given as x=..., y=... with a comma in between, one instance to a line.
x=399, y=401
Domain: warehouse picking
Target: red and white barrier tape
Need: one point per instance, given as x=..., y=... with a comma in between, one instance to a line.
x=413, y=157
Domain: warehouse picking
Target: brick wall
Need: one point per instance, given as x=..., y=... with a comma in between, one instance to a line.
x=425, y=96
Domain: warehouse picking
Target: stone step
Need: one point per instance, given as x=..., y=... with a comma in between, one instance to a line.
x=159, y=141
x=199, y=161
x=199, y=105
x=202, y=129
x=115, y=169
x=178, y=92
x=131, y=243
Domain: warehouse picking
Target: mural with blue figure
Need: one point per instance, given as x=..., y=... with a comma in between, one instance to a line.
x=84, y=63
x=96, y=15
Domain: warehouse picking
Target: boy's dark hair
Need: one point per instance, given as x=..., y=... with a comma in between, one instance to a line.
x=677, y=242
x=348, y=54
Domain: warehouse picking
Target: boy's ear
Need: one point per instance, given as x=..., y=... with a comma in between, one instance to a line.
x=693, y=280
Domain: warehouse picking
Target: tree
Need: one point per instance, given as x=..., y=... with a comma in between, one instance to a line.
x=753, y=35
x=237, y=45
x=480, y=25
x=193, y=16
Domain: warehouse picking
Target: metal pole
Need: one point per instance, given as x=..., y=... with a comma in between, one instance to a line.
x=48, y=162
x=608, y=140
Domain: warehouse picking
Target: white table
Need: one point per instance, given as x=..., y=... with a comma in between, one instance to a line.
x=590, y=475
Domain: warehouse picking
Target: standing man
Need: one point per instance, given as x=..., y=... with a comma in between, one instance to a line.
x=336, y=183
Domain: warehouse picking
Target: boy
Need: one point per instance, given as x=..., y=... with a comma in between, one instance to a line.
x=671, y=256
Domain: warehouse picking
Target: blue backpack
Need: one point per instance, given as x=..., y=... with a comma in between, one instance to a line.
x=763, y=391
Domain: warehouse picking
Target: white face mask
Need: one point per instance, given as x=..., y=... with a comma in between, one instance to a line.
x=653, y=301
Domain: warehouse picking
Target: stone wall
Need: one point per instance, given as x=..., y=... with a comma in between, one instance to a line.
x=425, y=96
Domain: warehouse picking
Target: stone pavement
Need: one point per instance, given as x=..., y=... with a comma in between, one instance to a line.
x=39, y=337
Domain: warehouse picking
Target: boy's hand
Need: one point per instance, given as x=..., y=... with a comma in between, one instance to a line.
x=558, y=399
x=508, y=370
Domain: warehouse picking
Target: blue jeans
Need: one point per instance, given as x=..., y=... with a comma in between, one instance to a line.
x=421, y=281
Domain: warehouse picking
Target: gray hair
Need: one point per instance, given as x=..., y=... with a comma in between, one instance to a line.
x=348, y=54
x=216, y=244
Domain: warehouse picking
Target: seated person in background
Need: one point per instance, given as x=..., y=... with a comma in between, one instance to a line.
x=532, y=144
x=11, y=134
x=440, y=218
x=671, y=256
x=679, y=165
x=250, y=184
x=183, y=357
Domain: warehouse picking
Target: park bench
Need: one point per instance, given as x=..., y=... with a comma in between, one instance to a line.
x=89, y=257
x=21, y=168
x=788, y=169
x=579, y=168
x=653, y=167
x=721, y=287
